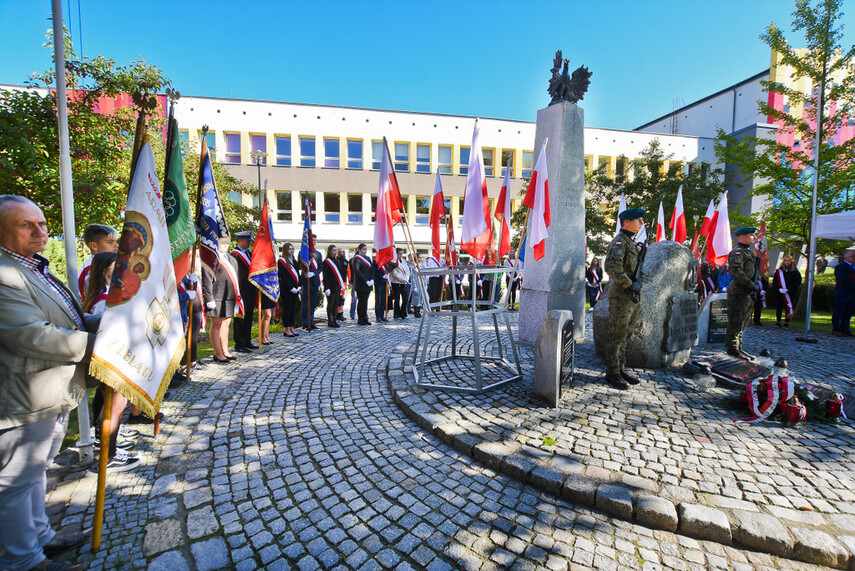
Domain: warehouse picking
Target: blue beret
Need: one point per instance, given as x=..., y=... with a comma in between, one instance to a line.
x=632, y=214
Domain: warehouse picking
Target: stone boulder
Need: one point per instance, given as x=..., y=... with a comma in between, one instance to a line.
x=668, y=281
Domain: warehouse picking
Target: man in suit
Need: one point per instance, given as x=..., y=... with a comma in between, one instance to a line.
x=44, y=354
x=844, y=295
x=361, y=274
x=310, y=296
x=243, y=325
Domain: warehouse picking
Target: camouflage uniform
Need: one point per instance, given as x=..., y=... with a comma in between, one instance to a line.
x=740, y=303
x=621, y=263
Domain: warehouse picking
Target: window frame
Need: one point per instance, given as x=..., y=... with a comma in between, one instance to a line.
x=280, y=157
x=229, y=155
x=284, y=215
x=330, y=158
x=313, y=158
x=419, y=163
x=397, y=163
x=440, y=167
x=351, y=162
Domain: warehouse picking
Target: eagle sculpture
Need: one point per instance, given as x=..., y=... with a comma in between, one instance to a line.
x=566, y=87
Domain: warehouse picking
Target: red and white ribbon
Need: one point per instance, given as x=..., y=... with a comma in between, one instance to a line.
x=227, y=267
x=786, y=293
x=761, y=412
x=334, y=268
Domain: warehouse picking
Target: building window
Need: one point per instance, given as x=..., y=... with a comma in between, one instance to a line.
x=283, y=205
x=442, y=219
x=258, y=143
x=705, y=168
x=283, y=151
x=464, y=160
x=183, y=140
x=786, y=109
x=675, y=168
x=310, y=196
x=354, y=209
x=307, y=151
x=332, y=153
x=423, y=158
x=527, y=163
x=211, y=143
x=233, y=148
x=332, y=207
x=443, y=159
x=423, y=210
x=489, y=161
x=620, y=168
x=373, y=207
x=508, y=159
x=354, y=153
x=587, y=164
x=402, y=157
x=604, y=166
x=376, y=154
x=235, y=197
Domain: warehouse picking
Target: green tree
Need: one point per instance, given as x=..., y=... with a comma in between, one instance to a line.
x=783, y=174
x=646, y=183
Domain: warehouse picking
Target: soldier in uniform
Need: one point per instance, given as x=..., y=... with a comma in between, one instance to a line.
x=624, y=295
x=741, y=291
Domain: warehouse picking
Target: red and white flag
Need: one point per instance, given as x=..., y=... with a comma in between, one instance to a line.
x=537, y=198
x=384, y=220
x=476, y=229
x=761, y=249
x=450, y=244
x=660, y=224
x=437, y=211
x=678, y=219
x=719, y=243
x=503, y=214
x=621, y=208
x=695, y=247
x=706, y=225
x=396, y=204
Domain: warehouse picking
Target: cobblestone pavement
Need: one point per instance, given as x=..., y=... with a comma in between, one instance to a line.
x=664, y=437
x=299, y=458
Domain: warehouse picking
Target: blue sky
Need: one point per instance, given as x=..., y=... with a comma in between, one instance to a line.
x=481, y=58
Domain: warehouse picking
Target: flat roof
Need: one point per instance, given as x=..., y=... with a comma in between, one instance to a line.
x=707, y=98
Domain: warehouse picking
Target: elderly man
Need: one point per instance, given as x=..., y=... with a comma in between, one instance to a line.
x=44, y=350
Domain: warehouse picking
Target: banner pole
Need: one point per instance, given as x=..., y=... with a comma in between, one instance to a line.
x=259, y=321
x=98, y=521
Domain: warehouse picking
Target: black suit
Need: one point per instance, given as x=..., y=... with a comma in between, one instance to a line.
x=287, y=299
x=332, y=285
x=361, y=274
x=243, y=325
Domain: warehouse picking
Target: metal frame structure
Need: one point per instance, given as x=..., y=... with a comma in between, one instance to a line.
x=459, y=308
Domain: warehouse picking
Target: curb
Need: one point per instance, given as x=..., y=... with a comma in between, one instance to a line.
x=805, y=538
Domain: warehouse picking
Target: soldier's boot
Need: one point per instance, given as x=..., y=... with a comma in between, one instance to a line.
x=733, y=352
x=629, y=377
x=616, y=381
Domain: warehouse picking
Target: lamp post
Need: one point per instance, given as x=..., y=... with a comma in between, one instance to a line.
x=259, y=157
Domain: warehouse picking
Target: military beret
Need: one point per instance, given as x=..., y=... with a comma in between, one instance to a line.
x=632, y=214
x=746, y=230
x=245, y=234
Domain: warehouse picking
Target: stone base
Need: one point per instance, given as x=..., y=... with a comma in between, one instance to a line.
x=547, y=357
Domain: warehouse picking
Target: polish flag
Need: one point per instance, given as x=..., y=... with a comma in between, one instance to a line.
x=384, y=217
x=476, y=231
x=450, y=244
x=503, y=214
x=437, y=211
x=719, y=243
x=706, y=225
x=678, y=219
x=621, y=208
x=537, y=198
x=660, y=224
x=395, y=202
x=695, y=247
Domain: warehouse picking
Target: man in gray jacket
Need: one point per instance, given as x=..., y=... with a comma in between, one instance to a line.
x=44, y=353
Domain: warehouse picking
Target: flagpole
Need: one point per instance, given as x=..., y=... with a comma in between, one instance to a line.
x=98, y=521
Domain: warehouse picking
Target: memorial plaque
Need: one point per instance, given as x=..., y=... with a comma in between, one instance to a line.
x=681, y=329
x=718, y=321
x=568, y=346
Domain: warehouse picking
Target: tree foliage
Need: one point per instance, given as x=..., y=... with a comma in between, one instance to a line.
x=646, y=183
x=101, y=142
x=783, y=174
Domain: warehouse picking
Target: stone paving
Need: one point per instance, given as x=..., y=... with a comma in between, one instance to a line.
x=299, y=458
x=664, y=439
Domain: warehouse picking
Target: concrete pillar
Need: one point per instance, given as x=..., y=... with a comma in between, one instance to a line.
x=557, y=281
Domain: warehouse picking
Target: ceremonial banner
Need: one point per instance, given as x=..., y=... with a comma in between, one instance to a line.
x=141, y=338
x=262, y=268
x=210, y=221
x=761, y=249
x=476, y=229
x=437, y=211
x=537, y=198
x=503, y=213
x=678, y=219
x=307, y=245
x=176, y=204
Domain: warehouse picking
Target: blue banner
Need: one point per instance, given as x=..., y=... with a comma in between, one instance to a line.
x=210, y=223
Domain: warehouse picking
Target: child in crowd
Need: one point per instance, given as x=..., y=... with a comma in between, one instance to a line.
x=94, y=302
x=98, y=238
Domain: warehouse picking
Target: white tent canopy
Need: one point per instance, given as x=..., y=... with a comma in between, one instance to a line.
x=840, y=226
